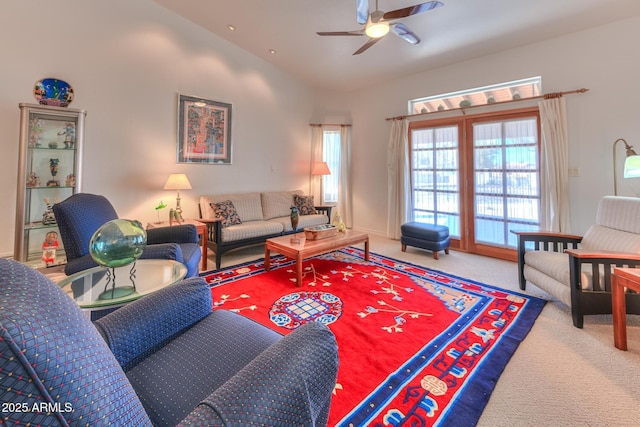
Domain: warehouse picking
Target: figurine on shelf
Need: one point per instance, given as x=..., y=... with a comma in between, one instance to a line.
x=36, y=132
x=33, y=180
x=48, y=218
x=71, y=180
x=49, y=247
x=69, y=133
x=53, y=167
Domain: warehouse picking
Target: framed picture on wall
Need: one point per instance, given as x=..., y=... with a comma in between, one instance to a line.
x=204, y=131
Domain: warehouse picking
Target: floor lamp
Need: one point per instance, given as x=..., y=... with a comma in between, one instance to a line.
x=631, y=164
x=319, y=169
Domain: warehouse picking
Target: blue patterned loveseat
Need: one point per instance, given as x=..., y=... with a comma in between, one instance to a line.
x=165, y=359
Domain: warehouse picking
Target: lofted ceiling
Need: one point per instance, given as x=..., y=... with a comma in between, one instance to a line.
x=459, y=30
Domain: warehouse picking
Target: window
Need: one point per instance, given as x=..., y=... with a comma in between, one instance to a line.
x=331, y=155
x=519, y=89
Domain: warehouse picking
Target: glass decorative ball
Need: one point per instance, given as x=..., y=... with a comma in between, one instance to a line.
x=118, y=242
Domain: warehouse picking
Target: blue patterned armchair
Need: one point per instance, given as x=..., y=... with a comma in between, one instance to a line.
x=80, y=215
x=165, y=359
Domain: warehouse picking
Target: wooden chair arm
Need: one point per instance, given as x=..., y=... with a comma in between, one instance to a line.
x=546, y=241
x=603, y=255
x=214, y=228
x=534, y=234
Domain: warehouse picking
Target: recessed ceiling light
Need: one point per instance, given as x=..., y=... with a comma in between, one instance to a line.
x=231, y=27
x=272, y=51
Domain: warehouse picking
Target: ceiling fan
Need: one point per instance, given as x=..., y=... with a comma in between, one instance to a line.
x=378, y=23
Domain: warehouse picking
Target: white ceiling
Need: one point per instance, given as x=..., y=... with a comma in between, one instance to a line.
x=459, y=30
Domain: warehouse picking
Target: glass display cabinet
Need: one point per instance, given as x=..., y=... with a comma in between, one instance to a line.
x=49, y=171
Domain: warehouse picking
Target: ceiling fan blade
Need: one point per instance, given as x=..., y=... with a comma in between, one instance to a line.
x=404, y=32
x=362, y=11
x=367, y=45
x=411, y=10
x=341, y=33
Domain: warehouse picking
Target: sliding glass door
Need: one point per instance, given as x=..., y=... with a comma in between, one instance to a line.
x=480, y=177
x=505, y=169
x=435, y=177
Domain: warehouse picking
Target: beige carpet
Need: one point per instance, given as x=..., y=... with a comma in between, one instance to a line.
x=560, y=375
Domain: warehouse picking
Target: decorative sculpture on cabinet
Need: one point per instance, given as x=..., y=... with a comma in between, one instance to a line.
x=53, y=167
x=69, y=133
x=49, y=247
x=48, y=218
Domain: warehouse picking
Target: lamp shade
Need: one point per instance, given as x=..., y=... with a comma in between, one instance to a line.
x=320, y=168
x=632, y=166
x=177, y=181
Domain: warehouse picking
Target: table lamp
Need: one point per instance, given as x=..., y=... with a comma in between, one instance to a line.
x=178, y=181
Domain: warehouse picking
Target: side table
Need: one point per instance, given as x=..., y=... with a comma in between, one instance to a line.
x=326, y=209
x=622, y=278
x=95, y=289
x=202, y=232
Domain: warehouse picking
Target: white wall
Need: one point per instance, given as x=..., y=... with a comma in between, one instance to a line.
x=127, y=61
x=600, y=59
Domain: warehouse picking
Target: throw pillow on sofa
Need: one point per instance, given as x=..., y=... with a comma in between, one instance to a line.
x=227, y=211
x=305, y=204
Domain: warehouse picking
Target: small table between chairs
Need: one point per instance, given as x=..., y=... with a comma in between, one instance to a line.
x=102, y=288
x=622, y=278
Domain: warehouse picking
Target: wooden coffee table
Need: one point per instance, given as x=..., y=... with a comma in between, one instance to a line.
x=309, y=248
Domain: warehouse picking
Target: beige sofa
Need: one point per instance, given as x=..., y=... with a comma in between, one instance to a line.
x=577, y=269
x=262, y=215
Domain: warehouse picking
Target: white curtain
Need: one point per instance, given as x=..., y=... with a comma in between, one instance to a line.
x=554, y=166
x=399, y=196
x=345, y=201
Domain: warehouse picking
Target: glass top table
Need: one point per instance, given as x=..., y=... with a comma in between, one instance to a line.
x=100, y=287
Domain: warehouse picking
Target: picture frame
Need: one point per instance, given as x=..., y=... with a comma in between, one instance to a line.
x=204, y=131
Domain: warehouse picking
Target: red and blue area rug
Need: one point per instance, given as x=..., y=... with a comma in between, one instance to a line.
x=416, y=346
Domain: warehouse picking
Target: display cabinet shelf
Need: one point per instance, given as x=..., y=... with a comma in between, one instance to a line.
x=49, y=171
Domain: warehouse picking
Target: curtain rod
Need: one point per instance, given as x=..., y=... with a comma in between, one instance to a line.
x=329, y=124
x=545, y=96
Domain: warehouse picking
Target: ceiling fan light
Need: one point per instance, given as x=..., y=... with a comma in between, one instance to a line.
x=377, y=29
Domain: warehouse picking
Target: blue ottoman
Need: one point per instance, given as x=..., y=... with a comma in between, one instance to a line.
x=425, y=236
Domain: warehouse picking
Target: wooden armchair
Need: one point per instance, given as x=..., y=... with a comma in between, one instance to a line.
x=577, y=269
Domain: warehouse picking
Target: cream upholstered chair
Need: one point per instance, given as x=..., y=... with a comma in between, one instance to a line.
x=577, y=269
